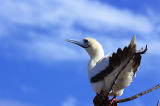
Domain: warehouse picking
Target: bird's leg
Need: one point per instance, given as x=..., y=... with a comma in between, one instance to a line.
x=113, y=99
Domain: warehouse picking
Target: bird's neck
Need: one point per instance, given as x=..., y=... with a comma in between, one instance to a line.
x=95, y=57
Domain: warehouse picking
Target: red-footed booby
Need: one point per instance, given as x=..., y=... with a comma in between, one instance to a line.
x=113, y=73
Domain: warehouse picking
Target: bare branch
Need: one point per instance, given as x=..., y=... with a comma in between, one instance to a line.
x=138, y=95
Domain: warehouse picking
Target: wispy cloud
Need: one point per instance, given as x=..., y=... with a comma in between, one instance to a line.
x=46, y=23
x=66, y=13
x=13, y=103
x=47, y=49
x=70, y=101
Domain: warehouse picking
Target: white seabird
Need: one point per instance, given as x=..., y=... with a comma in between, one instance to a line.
x=113, y=73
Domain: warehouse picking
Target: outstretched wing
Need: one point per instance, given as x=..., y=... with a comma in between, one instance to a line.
x=117, y=62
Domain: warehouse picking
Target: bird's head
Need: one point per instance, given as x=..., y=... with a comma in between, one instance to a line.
x=92, y=46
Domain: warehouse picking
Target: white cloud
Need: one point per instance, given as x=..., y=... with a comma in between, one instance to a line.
x=70, y=101
x=65, y=14
x=47, y=49
x=107, y=16
x=13, y=103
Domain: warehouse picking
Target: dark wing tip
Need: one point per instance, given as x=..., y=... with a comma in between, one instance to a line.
x=142, y=51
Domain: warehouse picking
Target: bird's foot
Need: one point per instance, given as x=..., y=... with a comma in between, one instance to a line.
x=113, y=99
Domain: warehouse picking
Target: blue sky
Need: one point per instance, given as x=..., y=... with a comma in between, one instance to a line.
x=38, y=68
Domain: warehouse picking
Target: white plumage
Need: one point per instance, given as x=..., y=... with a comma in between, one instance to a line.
x=101, y=65
x=124, y=79
x=110, y=73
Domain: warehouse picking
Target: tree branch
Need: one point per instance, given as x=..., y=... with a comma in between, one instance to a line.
x=138, y=95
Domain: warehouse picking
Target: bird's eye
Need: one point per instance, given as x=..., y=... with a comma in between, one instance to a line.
x=85, y=40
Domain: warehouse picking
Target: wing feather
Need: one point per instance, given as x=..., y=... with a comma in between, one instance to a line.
x=100, y=66
x=117, y=62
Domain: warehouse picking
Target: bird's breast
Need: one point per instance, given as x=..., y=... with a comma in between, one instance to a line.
x=98, y=86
